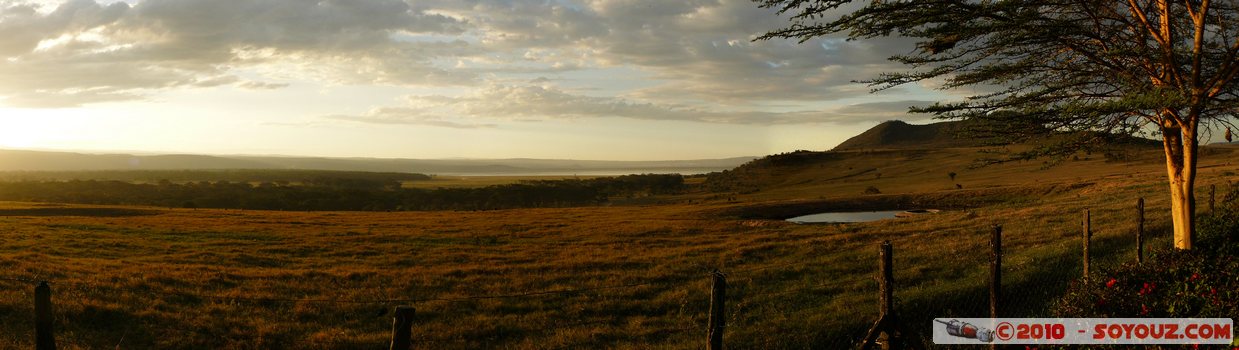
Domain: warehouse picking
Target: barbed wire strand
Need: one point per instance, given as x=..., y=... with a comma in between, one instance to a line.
x=408, y=300
x=347, y=301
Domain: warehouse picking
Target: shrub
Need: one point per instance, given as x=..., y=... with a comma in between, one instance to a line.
x=1202, y=282
x=872, y=190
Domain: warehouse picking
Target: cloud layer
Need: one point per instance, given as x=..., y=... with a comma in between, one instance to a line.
x=693, y=60
x=536, y=103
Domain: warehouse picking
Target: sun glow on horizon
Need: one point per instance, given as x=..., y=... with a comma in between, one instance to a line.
x=42, y=128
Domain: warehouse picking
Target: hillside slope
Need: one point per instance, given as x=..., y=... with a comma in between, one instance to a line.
x=897, y=134
x=845, y=174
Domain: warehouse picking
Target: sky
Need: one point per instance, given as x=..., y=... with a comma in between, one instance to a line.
x=562, y=79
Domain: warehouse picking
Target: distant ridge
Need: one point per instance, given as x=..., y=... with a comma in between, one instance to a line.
x=24, y=160
x=897, y=134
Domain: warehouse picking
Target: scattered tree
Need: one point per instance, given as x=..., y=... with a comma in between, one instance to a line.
x=1088, y=69
x=952, y=175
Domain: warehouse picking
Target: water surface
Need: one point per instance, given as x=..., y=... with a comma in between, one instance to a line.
x=840, y=217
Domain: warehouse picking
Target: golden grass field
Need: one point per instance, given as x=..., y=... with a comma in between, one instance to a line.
x=139, y=278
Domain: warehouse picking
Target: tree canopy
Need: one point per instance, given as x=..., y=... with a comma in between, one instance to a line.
x=1094, y=68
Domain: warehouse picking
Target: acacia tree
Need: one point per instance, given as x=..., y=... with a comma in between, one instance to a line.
x=1087, y=68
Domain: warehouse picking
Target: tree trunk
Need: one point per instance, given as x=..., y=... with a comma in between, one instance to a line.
x=1180, y=146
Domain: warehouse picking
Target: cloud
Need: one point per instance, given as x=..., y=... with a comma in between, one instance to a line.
x=86, y=52
x=406, y=116
x=695, y=50
x=695, y=58
x=882, y=111
x=66, y=99
x=256, y=85
x=535, y=103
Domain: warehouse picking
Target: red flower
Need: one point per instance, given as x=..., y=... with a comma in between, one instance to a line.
x=1144, y=310
x=1195, y=276
x=1148, y=288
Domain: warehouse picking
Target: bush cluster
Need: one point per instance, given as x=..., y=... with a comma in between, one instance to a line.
x=1202, y=282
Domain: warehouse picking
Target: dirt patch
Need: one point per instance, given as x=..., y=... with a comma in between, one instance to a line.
x=92, y=212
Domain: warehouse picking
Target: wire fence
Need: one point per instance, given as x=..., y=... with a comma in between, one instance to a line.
x=743, y=295
x=77, y=290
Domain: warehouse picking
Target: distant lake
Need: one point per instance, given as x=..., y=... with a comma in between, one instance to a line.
x=844, y=217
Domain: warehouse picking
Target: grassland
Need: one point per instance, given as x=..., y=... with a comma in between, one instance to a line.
x=158, y=278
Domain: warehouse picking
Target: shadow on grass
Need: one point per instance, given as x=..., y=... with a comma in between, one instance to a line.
x=1031, y=292
x=91, y=212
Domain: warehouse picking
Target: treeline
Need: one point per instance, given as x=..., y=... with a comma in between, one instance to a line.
x=342, y=194
x=275, y=176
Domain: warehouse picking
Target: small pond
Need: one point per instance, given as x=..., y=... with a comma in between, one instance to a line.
x=859, y=216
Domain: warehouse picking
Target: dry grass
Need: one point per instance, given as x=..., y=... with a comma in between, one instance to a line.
x=792, y=286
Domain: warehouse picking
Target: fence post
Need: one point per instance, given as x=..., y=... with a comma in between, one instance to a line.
x=995, y=273
x=1212, y=192
x=886, y=286
x=44, y=338
x=1140, y=230
x=402, y=328
x=718, y=320
x=1088, y=236
x=888, y=330
x=886, y=281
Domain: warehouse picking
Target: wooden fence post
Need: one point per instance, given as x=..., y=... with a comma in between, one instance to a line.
x=1140, y=230
x=44, y=338
x=1088, y=236
x=886, y=281
x=402, y=328
x=995, y=273
x=1212, y=193
x=888, y=323
x=886, y=288
x=718, y=314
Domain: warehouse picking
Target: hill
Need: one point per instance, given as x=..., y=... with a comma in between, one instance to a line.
x=897, y=134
